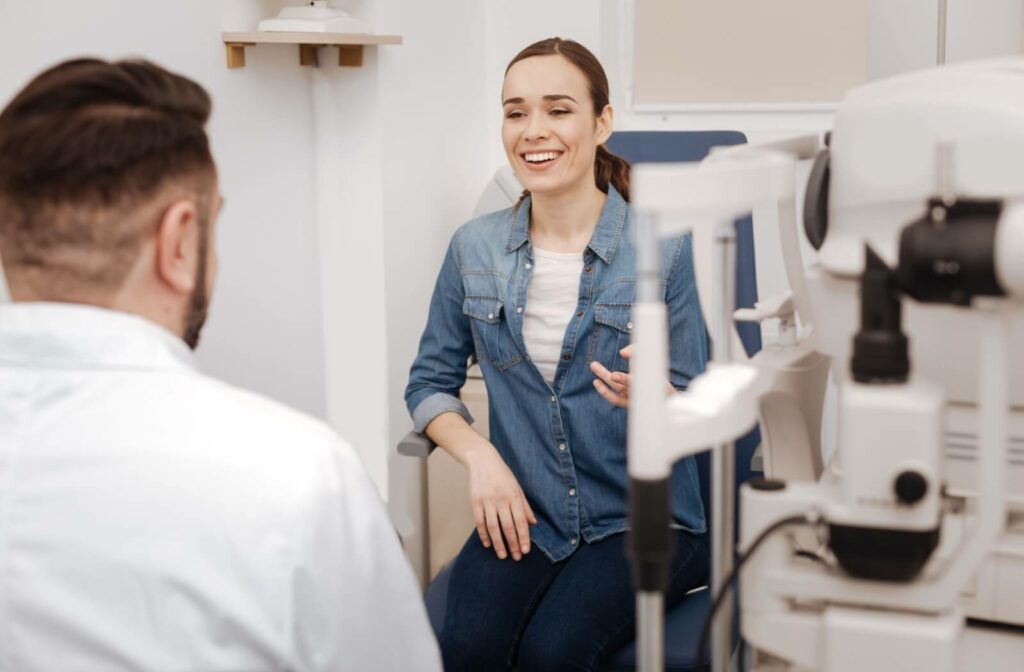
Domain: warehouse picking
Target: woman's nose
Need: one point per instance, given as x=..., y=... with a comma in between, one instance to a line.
x=536, y=128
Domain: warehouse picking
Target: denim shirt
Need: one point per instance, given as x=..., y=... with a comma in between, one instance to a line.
x=564, y=443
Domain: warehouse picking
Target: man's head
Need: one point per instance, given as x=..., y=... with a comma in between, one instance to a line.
x=108, y=192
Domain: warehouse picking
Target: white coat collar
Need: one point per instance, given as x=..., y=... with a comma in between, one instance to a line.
x=82, y=336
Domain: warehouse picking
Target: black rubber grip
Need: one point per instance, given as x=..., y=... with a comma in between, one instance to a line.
x=650, y=543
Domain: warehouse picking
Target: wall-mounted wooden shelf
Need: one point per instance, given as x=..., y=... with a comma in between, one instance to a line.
x=350, y=45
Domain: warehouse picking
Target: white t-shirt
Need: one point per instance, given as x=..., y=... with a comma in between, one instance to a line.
x=551, y=299
x=154, y=518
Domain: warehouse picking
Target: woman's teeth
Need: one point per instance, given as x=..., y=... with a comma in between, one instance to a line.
x=540, y=157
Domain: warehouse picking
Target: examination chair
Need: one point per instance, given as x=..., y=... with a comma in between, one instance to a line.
x=683, y=622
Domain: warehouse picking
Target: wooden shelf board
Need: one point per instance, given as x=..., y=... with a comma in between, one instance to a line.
x=317, y=39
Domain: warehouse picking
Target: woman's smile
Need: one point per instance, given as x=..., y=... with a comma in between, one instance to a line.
x=540, y=161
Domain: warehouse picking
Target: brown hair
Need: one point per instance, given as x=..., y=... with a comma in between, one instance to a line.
x=91, y=152
x=608, y=168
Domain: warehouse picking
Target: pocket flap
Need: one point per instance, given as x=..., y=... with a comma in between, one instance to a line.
x=617, y=316
x=481, y=308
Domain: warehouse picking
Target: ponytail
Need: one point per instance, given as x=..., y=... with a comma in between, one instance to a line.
x=608, y=169
x=611, y=169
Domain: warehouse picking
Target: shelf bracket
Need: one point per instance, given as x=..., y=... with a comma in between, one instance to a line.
x=236, y=53
x=307, y=55
x=350, y=55
x=350, y=45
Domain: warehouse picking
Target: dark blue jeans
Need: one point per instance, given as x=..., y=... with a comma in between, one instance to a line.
x=540, y=615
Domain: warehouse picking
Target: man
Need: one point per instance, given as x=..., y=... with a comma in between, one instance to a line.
x=152, y=518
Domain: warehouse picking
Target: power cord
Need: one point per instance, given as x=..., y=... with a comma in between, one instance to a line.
x=741, y=559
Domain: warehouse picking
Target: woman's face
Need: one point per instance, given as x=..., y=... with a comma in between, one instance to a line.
x=549, y=130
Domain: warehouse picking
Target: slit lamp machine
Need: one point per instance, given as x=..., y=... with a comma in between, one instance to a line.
x=900, y=551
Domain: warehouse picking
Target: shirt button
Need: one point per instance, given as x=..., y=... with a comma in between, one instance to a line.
x=629, y=325
x=553, y=399
x=561, y=447
x=572, y=492
x=588, y=269
x=574, y=541
x=490, y=316
x=519, y=309
x=529, y=266
x=567, y=356
x=579, y=314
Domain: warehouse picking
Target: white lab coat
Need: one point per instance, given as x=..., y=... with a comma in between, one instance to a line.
x=153, y=518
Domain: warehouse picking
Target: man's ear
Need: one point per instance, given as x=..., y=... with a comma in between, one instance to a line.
x=604, y=125
x=177, y=244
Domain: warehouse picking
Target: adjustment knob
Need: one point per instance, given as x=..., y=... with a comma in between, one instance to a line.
x=911, y=487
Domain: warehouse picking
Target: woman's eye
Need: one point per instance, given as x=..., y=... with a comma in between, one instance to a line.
x=514, y=114
x=559, y=112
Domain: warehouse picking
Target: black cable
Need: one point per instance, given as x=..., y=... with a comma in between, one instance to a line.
x=705, y=631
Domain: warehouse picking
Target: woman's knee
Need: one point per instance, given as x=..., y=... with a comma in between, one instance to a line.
x=691, y=564
x=540, y=653
x=549, y=649
x=465, y=650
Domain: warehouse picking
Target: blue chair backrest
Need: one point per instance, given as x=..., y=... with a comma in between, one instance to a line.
x=674, y=146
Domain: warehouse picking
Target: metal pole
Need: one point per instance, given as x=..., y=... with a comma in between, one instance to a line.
x=650, y=610
x=650, y=598
x=723, y=467
x=940, y=56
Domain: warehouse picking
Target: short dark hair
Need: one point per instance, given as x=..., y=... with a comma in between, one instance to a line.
x=87, y=149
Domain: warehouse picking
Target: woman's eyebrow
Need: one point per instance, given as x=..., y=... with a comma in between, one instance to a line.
x=549, y=97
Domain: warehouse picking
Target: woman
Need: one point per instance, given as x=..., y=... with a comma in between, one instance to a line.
x=542, y=293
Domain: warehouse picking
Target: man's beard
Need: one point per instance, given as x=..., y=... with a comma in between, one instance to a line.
x=200, y=299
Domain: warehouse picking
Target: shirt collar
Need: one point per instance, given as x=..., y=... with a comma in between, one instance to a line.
x=605, y=240
x=82, y=336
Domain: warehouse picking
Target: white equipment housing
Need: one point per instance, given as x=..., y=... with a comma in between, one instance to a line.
x=954, y=132
x=923, y=503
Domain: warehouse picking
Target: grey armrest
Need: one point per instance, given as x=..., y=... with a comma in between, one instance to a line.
x=416, y=445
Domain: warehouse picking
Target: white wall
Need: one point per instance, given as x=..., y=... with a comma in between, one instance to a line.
x=265, y=330
x=398, y=169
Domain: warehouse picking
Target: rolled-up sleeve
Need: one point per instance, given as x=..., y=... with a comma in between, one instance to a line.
x=688, y=339
x=439, y=371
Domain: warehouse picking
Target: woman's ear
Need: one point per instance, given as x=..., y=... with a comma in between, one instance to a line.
x=176, y=247
x=604, y=124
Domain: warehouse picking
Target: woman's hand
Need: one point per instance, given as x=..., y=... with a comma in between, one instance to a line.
x=499, y=505
x=613, y=386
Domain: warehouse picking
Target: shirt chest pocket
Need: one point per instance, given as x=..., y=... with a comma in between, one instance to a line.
x=492, y=336
x=612, y=331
